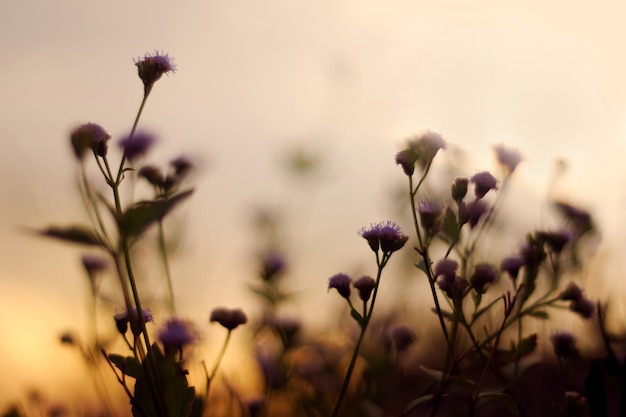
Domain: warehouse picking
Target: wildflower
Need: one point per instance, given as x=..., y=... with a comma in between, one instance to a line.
x=571, y=293
x=137, y=145
x=93, y=264
x=152, y=67
x=484, y=274
x=430, y=214
x=564, y=344
x=402, y=337
x=555, y=240
x=446, y=267
x=341, y=282
x=508, y=158
x=89, y=136
x=230, y=319
x=580, y=219
x=532, y=252
x=459, y=188
x=386, y=236
x=176, y=334
x=584, y=307
x=182, y=165
x=473, y=212
x=426, y=146
x=453, y=286
x=123, y=319
x=406, y=159
x=365, y=285
x=153, y=175
x=272, y=267
x=67, y=338
x=483, y=183
x=512, y=265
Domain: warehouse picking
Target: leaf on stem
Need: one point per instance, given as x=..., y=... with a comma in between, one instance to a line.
x=138, y=217
x=129, y=365
x=81, y=235
x=170, y=383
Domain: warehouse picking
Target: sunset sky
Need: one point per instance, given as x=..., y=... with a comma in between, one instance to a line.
x=347, y=80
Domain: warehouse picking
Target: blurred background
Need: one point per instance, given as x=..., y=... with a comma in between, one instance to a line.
x=263, y=84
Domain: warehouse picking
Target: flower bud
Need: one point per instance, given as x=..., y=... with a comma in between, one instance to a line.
x=459, y=188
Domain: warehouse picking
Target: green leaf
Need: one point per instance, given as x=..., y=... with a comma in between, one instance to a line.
x=357, y=316
x=81, y=235
x=446, y=314
x=129, y=365
x=527, y=345
x=174, y=395
x=138, y=217
x=422, y=266
x=540, y=314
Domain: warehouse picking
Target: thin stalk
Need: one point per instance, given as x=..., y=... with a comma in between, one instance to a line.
x=166, y=267
x=364, y=323
x=216, y=365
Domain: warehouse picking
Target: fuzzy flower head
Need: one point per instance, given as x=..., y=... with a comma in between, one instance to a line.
x=430, y=215
x=340, y=282
x=272, y=266
x=426, y=147
x=93, y=264
x=137, y=145
x=228, y=318
x=555, y=240
x=446, y=267
x=483, y=183
x=508, y=158
x=123, y=319
x=484, y=274
x=584, y=307
x=473, y=212
x=571, y=293
x=365, y=285
x=89, y=136
x=458, y=189
x=152, y=67
x=402, y=337
x=387, y=236
x=512, y=265
x=175, y=334
x=564, y=344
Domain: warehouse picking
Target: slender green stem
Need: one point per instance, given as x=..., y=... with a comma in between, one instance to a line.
x=166, y=267
x=216, y=365
x=365, y=321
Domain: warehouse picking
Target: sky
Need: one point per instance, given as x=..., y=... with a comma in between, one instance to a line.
x=348, y=81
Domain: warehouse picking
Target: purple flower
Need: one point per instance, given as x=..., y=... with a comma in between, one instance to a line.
x=430, y=214
x=402, y=337
x=459, y=188
x=365, y=285
x=89, y=136
x=137, y=145
x=123, y=319
x=272, y=266
x=93, y=264
x=512, y=265
x=508, y=158
x=340, y=282
x=446, y=267
x=152, y=67
x=580, y=219
x=153, y=175
x=564, y=344
x=386, y=236
x=474, y=211
x=182, y=165
x=484, y=274
x=571, y=293
x=229, y=318
x=555, y=240
x=483, y=183
x=426, y=146
x=453, y=286
x=406, y=159
x=584, y=307
x=176, y=333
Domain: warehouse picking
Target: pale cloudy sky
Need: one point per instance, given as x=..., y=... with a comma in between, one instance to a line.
x=349, y=79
